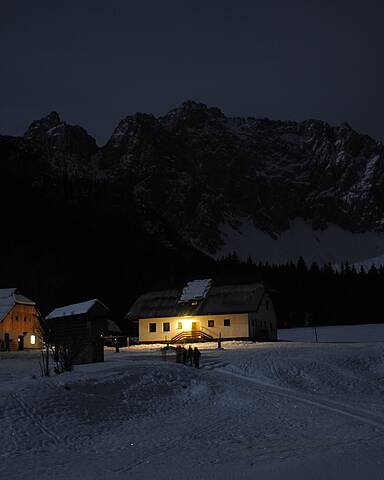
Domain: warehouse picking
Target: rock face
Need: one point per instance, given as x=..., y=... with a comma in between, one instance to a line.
x=69, y=148
x=194, y=170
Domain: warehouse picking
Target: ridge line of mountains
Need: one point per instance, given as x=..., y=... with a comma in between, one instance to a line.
x=163, y=189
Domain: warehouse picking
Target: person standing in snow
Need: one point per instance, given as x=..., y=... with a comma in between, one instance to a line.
x=184, y=355
x=190, y=356
x=178, y=354
x=196, y=357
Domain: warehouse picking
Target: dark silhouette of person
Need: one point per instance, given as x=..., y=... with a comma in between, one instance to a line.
x=190, y=355
x=196, y=357
x=179, y=354
x=184, y=354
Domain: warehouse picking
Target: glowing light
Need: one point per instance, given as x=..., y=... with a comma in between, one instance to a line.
x=187, y=324
x=33, y=339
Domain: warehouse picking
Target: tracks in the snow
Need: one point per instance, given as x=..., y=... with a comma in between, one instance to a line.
x=319, y=402
x=28, y=412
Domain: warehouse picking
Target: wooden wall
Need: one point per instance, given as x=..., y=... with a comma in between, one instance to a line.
x=22, y=320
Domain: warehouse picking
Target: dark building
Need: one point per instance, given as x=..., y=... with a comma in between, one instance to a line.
x=82, y=326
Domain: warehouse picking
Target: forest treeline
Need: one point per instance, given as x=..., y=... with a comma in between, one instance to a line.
x=309, y=294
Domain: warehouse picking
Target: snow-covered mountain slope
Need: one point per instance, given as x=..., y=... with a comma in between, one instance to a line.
x=333, y=244
x=367, y=263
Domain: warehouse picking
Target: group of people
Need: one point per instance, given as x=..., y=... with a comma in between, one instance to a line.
x=188, y=356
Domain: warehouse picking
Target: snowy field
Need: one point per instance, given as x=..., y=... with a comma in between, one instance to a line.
x=342, y=333
x=253, y=411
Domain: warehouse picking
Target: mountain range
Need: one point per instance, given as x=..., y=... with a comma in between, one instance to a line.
x=196, y=181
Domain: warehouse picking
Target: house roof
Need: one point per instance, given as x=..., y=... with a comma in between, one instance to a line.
x=9, y=297
x=74, y=309
x=218, y=300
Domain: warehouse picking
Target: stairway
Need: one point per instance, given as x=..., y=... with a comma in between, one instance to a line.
x=192, y=336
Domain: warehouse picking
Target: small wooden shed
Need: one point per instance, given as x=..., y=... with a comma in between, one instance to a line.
x=82, y=326
x=20, y=322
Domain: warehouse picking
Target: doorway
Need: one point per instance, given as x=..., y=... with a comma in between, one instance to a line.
x=6, y=342
x=20, y=342
x=195, y=326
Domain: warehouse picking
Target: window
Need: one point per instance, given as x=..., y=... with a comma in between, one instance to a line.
x=152, y=327
x=179, y=325
x=211, y=323
x=33, y=339
x=166, y=327
x=227, y=322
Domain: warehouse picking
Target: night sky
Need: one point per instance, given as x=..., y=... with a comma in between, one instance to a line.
x=96, y=62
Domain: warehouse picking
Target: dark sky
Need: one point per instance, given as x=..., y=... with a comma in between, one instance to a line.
x=98, y=61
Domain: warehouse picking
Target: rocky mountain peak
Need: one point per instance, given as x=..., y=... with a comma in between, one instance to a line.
x=43, y=125
x=55, y=135
x=192, y=115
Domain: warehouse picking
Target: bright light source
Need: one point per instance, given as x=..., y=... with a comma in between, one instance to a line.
x=187, y=324
x=33, y=339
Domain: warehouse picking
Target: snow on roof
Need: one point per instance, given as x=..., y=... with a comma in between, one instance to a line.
x=196, y=289
x=74, y=309
x=9, y=297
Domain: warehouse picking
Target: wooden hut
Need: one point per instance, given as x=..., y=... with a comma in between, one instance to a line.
x=81, y=326
x=204, y=312
x=20, y=322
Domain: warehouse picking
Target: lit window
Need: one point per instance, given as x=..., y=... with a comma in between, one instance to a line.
x=179, y=325
x=211, y=323
x=33, y=339
x=227, y=322
x=166, y=327
x=152, y=327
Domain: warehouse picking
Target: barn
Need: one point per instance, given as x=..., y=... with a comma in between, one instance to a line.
x=20, y=321
x=81, y=326
x=202, y=311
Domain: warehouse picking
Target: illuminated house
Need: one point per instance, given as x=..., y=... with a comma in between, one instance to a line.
x=204, y=312
x=20, y=326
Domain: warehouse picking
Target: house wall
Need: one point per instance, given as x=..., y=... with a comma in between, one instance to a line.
x=22, y=320
x=238, y=329
x=263, y=323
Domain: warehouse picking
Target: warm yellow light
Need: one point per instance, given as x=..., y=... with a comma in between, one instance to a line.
x=187, y=324
x=33, y=339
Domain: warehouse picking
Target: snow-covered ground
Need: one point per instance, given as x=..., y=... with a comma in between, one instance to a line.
x=332, y=244
x=267, y=410
x=341, y=333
